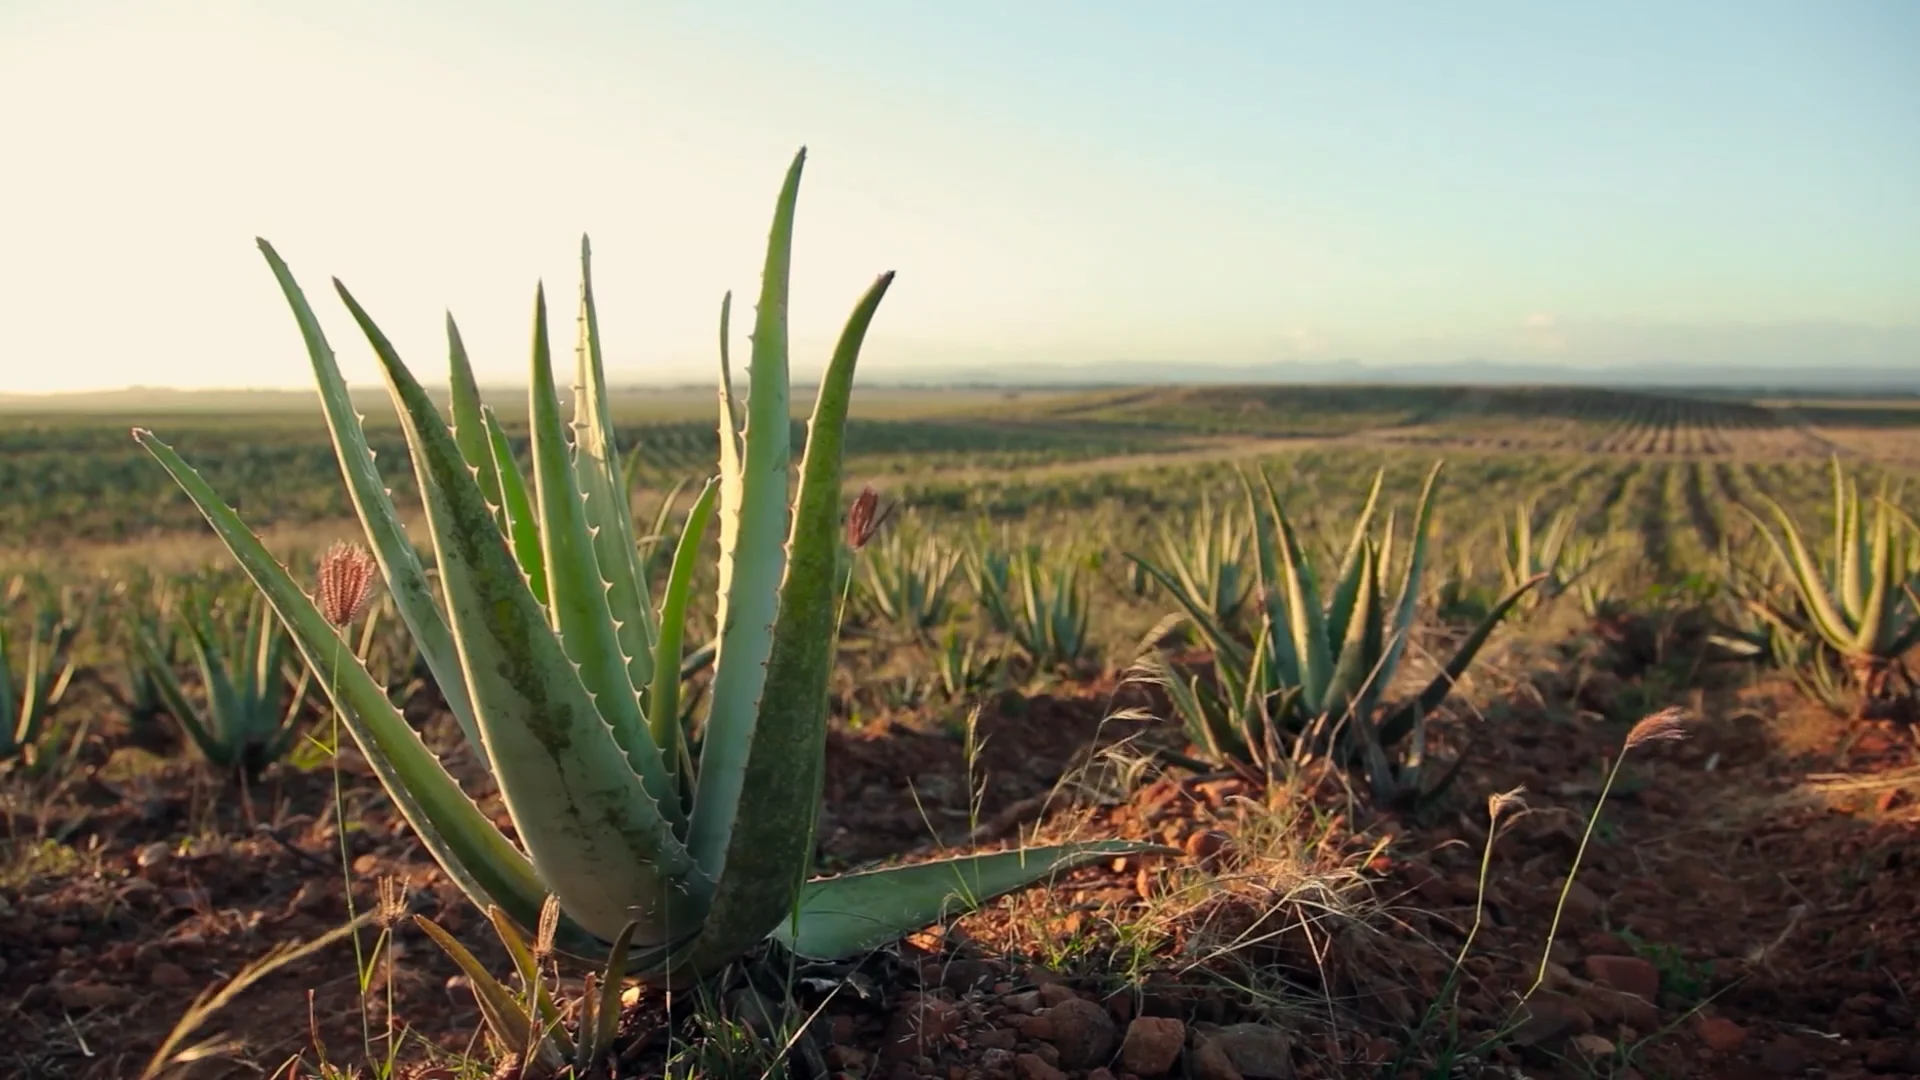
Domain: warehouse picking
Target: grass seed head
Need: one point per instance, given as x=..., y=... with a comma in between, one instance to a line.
x=864, y=518
x=1666, y=725
x=347, y=574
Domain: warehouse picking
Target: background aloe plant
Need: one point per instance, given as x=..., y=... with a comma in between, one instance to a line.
x=693, y=844
x=1312, y=679
x=1552, y=553
x=1858, y=598
x=1040, y=602
x=909, y=577
x=34, y=675
x=255, y=684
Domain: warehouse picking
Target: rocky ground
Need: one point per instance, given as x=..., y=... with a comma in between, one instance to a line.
x=1745, y=908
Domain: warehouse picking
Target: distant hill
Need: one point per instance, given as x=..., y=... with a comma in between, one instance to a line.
x=1810, y=377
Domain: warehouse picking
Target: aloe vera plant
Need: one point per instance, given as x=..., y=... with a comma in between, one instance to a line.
x=1859, y=597
x=1208, y=564
x=694, y=845
x=34, y=680
x=909, y=579
x=255, y=683
x=1552, y=554
x=1041, y=603
x=1313, y=678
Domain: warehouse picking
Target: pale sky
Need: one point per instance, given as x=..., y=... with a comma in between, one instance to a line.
x=1218, y=182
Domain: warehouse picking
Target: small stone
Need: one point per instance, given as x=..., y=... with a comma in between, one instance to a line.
x=79, y=996
x=917, y=1024
x=1210, y=1062
x=1784, y=1057
x=1628, y=973
x=994, y=1039
x=1593, y=1046
x=1083, y=1032
x=60, y=934
x=1256, y=1051
x=1582, y=902
x=1053, y=994
x=1035, y=1067
x=170, y=975
x=1721, y=1035
x=1152, y=1044
x=1206, y=843
x=153, y=857
x=1027, y=1001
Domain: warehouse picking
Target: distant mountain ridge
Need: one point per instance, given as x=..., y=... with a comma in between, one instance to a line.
x=1807, y=378
x=1810, y=377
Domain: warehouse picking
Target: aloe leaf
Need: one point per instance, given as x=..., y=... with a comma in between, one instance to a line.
x=399, y=563
x=469, y=429
x=664, y=698
x=1793, y=554
x=770, y=848
x=731, y=476
x=1306, y=625
x=1355, y=665
x=842, y=917
x=597, y=836
x=1407, y=717
x=609, y=508
x=464, y=841
x=578, y=594
x=523, y=525
x=174, y=696
x=1879, y=574
x=1407, y=605
x=1218, y=639
x=756, y=559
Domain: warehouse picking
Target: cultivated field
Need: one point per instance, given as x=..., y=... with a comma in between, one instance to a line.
x=1377, y=862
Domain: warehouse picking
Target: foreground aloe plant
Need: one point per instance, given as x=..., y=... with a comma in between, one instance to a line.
x=1315, y=675
x=554, y=660
x=1860, y=600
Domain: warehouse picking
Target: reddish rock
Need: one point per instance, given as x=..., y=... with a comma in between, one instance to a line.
x=1083, y=1033
x=917, y=1024
x=1152, y=1045
x=1721, y=1035
x=1628, y=973
x=1035, y=1067
x=1210, y=1062
x=170, y=976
